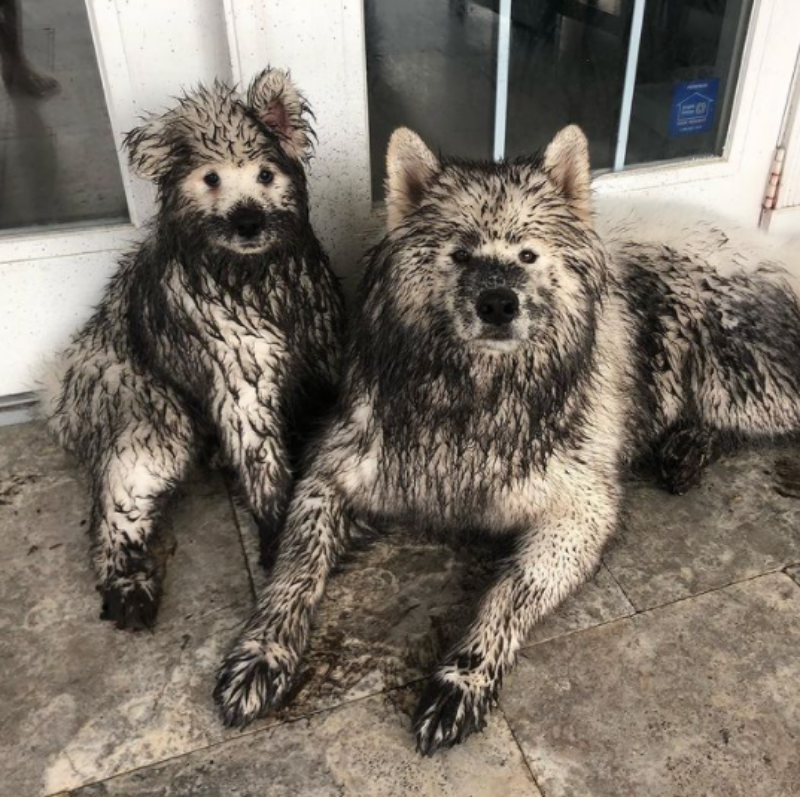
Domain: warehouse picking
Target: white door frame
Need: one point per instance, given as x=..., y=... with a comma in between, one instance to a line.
x=322, y=43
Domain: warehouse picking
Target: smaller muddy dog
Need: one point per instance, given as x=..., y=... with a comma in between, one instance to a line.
x=220, y=325
x=512, y=352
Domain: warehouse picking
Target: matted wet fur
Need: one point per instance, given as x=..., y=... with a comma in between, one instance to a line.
x=506, y=365
x=220, y=325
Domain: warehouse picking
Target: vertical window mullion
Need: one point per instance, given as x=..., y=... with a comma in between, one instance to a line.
x=501, y=96
x=629, y=85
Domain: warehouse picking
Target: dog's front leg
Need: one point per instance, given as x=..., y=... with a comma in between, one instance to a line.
x=258, y=671
x=553, y=559
x=253, y=436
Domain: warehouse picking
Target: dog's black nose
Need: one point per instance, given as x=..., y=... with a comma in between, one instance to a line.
x=497, y=306
x=248, y=222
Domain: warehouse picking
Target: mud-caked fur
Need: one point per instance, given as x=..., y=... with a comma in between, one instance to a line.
x=455, y=418
x=220, y=326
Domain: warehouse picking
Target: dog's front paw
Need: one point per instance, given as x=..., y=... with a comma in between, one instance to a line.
x=253, y=679
x=448, y=712
x=130, y=603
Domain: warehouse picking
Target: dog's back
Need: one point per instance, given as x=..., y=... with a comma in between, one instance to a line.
x=712, y=324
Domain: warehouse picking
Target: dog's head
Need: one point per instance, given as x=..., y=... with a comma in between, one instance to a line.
x=229, y=168
x=497, y=258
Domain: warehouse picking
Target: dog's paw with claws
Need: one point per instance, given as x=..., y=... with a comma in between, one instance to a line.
x=253, y=679
x=131, y=603
x=447, y=713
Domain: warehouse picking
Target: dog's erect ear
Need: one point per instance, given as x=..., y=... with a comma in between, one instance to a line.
x=149, y=148
x=410, y=167
x=281, y=107
x=566, y=161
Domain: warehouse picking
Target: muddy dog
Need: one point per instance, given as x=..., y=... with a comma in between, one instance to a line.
x=507, y=363
x=222, y=324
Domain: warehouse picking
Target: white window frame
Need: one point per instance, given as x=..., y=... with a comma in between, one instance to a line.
x=33, y=243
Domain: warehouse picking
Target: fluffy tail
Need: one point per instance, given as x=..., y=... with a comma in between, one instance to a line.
x=721, y=243
x=48, y=384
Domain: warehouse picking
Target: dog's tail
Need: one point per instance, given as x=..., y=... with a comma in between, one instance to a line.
x=47, y=381
x=725, y=244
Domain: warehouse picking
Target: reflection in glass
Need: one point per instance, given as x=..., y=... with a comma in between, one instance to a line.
x=432, y=65
x=691, y=51
x=58, y=163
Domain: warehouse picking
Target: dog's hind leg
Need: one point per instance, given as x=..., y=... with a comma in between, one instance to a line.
x=553, y=559
x=140, y=469
x=258, y=671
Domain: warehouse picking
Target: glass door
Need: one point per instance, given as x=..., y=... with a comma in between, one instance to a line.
x=76, y=74
x=649, y=81
x=58, y=160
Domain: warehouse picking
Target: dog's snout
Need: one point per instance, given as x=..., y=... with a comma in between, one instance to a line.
x=248, y=222
x=497, y=306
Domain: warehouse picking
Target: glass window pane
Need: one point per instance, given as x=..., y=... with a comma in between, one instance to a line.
x=567, y=66
x=58, y=162
x=691, y=51
x=432, y=65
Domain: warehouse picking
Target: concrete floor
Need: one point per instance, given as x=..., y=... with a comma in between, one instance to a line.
x=675, y=672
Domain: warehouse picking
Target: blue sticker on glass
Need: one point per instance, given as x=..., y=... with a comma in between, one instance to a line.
x=694, y=107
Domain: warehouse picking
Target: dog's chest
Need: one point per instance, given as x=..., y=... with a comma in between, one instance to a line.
x=477, y=472
x=237, y=338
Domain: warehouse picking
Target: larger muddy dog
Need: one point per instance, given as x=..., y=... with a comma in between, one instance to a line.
x=219, y=325
x=511, y=355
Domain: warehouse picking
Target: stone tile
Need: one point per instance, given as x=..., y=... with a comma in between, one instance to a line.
x=27, y=447
x=81, y=700
x=394, y=609
x=84, y=702
x=695, y=699
x=45, y=575
x=794, y=572
x=736, y=525
x=364, y=750
x=597, y=602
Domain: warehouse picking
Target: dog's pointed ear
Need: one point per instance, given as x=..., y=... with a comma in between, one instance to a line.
x=566, y=161
x=149, y=147
x=410, y=168
x=281, y=107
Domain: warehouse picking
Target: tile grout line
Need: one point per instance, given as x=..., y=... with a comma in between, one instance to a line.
x=243, y=735
x=521, y=751
x=639, y=612
x=240, y=532
x=608, y=570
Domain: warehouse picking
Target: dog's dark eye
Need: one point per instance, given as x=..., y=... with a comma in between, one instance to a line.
x=211, y=179
x=460, y=256
x=528, y=256
x=265, y=176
